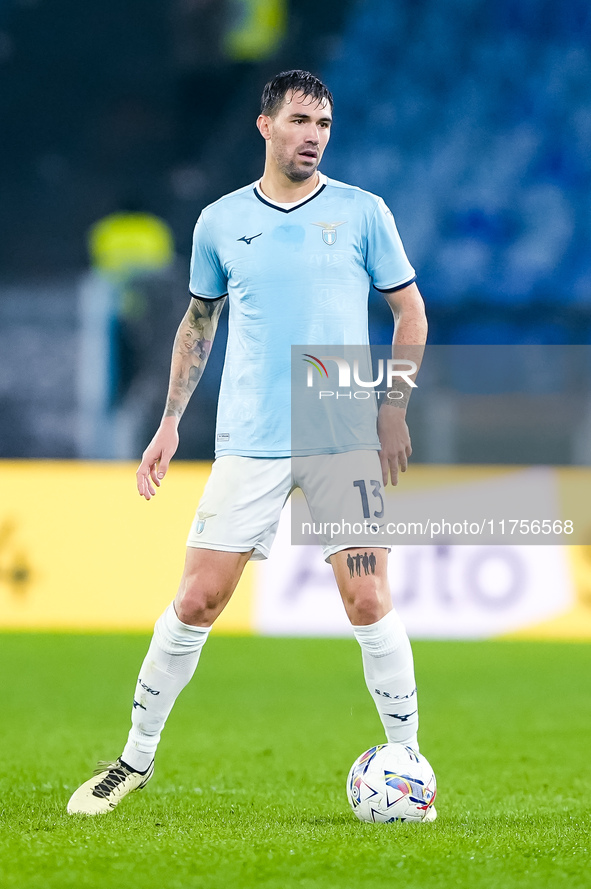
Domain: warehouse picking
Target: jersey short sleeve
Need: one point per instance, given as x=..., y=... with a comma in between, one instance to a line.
x=386, y=260
x=207, y=277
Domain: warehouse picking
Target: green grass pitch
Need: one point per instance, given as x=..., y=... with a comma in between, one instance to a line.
x=249, y=783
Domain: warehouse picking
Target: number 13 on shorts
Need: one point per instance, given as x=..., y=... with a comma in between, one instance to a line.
x=372, y=505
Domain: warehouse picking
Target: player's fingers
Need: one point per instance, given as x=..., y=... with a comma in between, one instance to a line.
x=140, y=480
x=385, y=467
x=146, y=490
x=143, y=482
x=163, y=464
x=394, y=471
x=154, y=474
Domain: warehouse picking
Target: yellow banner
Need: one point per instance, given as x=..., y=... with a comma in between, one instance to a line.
x=79, y=548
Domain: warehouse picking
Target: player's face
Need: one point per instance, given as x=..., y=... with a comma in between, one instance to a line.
x=297, y=135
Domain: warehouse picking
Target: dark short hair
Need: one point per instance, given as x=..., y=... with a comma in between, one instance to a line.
x=292, y=81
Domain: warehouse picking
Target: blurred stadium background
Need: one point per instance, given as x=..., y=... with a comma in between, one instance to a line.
x=119, y=122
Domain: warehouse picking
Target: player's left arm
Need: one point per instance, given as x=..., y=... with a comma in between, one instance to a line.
x=410, y=335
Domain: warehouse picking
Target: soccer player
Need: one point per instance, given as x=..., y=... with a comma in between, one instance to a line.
x=294, y=254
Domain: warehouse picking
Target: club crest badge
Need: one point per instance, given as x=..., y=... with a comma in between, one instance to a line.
x=201, y=518
x=329, y=231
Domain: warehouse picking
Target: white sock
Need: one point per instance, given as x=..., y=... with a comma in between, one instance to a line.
x=169, y=665
x=390, y=678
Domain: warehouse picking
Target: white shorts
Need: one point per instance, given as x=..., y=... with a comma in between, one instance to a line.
x=244, y=496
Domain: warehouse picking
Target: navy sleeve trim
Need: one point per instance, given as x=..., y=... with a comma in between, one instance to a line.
x=206, y=299
x=397, y=286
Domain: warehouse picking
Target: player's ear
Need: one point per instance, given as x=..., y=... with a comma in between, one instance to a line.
x=264, y=125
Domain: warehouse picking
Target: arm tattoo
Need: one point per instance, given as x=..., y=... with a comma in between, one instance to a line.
x=398, y=396
x=191, y=349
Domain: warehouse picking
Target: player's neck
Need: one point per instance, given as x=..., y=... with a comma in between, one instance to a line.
x=277, y=187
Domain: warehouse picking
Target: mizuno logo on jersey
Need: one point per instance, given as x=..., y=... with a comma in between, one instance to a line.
x=329, y=234
x=248, y=240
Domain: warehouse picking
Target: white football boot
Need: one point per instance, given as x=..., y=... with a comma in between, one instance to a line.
x=111, y=782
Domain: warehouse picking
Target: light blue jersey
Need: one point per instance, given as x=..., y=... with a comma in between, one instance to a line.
x=295, y=275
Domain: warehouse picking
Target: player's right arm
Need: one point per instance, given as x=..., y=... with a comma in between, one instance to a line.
x=190, y=352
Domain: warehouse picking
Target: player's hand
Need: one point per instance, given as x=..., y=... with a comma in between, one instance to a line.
x=156, y=458
x=395, y=441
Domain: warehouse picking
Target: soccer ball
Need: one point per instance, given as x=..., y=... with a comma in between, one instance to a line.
x=391, y=782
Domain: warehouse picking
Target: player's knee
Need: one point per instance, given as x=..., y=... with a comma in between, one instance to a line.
x=198, y=612
x=365, y=608
x=197, y=605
